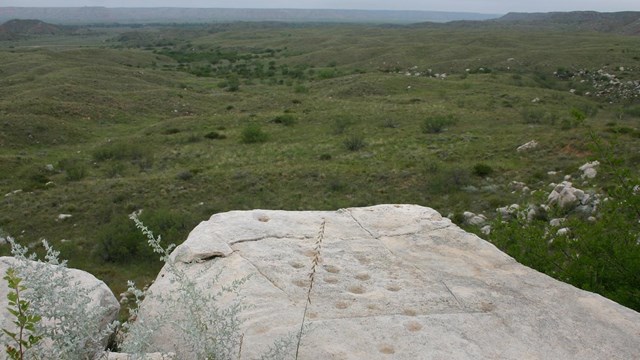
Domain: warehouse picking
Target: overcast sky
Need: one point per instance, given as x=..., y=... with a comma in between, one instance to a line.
x=482, y=6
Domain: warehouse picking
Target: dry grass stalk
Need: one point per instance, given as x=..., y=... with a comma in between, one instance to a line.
x=314, y=264
x=240, y=347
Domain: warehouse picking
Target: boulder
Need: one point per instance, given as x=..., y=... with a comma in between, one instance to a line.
x=474, y=219
x=565, y=196
x=391, y=282
x=557, y=222
x=100, y=302
x=508, y=212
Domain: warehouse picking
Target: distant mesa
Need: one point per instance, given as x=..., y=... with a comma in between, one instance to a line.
x=102, y=15
x=14, y=29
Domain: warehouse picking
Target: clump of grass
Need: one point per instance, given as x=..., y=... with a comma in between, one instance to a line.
x=340, y=125
x=75, y=169
x=120, y=151
x=214, y=135
x=533, y=116
x=300, y=89
x=171, y=131
x=252, y=134
x=184, y=175
x=286, y=120
x=34, y=178
x=354, y=142
x=436, y=124
x=389, y=123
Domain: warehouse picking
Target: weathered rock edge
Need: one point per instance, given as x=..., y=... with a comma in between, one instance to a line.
x=395, y=281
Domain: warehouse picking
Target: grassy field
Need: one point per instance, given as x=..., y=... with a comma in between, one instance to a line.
x=187, y=122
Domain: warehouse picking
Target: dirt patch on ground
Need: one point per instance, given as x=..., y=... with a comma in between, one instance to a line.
x=575, y=150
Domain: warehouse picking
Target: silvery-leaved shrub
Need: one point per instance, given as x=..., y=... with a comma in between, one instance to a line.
x=69, y=327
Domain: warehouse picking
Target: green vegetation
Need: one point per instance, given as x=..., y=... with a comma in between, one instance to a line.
x=253, y=133
x=24, y=321
x=601, y=254
x=190, y=121
x=354, y=142
x=436, y=124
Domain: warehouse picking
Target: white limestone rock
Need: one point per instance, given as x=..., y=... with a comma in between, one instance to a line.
x=589, y=169
x=565, y=196
x=474, y=219
x=62, y=217
x=527, y=146
x=393, y=282
x=508, y=212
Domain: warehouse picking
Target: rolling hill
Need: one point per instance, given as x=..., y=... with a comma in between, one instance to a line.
x=627, y=22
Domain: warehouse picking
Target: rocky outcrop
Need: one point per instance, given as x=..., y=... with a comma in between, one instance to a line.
x=567, y=197
x=392, y=282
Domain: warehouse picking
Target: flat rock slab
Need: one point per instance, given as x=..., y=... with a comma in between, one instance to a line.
x=393, y=282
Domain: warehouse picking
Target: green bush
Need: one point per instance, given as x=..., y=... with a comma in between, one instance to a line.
x=74, y=169
x=232, y=84
x=447, y=180
x=578, y=115
x=436, y=124
x=300, y=89
x=327, y=73
x=286, y=120
x=120, y=241
x=252, y=134
x=482, y=170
